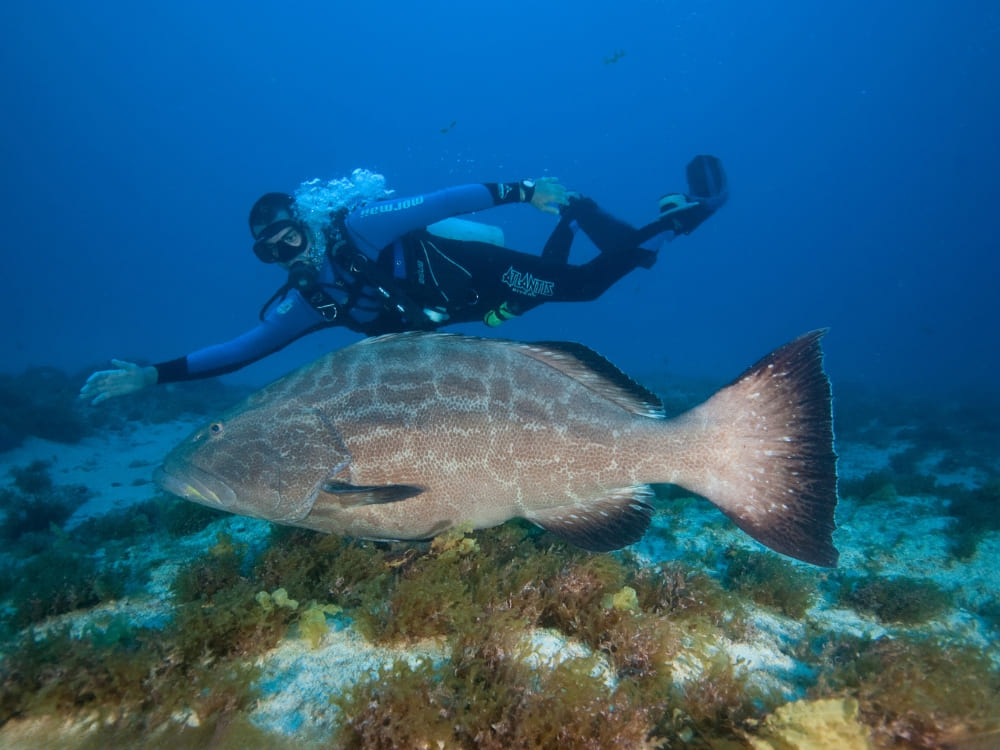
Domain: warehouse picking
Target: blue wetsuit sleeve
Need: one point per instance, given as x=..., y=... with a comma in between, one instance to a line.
x=276, y=330
x=377, y=224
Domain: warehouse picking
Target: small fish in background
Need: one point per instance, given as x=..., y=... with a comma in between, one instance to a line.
x=453, y=124
x=408, y=435
x=618, y=55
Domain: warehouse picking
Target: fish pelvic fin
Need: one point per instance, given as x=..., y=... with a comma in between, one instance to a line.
x=774, y=470
x=353, y=495
x=606, y=523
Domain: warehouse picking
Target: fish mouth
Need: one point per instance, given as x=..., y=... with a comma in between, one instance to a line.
x=196, y=485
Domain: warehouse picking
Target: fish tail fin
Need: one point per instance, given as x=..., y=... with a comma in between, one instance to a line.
x=772, y=468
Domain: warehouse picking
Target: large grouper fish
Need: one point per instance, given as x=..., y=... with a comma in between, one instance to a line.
x=407, y=435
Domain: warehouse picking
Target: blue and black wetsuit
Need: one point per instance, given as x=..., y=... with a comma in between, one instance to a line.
x=384, y=272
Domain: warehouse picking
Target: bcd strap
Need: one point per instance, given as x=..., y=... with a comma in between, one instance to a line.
x=362, y=272
x=364, y=269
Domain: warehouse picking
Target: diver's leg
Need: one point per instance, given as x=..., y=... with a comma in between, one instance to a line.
x=557, y=246
x=511, y=283
x=608, y=233
x=590, y=280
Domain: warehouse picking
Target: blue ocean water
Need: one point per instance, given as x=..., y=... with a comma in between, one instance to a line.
x=859, y=139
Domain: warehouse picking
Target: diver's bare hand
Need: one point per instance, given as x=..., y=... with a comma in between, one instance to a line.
x=127, y=377
x=549, y=195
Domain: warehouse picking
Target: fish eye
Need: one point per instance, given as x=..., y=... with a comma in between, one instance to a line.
x=216, y=429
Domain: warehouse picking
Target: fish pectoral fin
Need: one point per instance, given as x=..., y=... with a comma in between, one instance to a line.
x=602, y=524
x=352, y=495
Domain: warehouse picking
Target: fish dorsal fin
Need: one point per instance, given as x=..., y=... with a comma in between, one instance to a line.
x=590, y=369
x=573, y=360
x=610, y=522
x=353, y=495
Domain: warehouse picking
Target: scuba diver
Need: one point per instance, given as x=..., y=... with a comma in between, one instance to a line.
x=357, y=257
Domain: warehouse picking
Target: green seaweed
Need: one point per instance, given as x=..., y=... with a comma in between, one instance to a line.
x=915, y=484
x=901, y=600
x=716, y=705
x=354, y=575
x=485, y=597
x=513, y=581
x=64, y=578
x=28, y=515
x=180, y=518
x=989, y=611
x=975, y=513
x=217, y=570
x=428, y=599
x=905, y=461
x=914, y=692
x=770, y=581
x=217, y=612
x=135, y=685
x=33, y=479
x=876, y=487
x=488, y=698
x=141, y=679
x=133, y=524
x=677, y=591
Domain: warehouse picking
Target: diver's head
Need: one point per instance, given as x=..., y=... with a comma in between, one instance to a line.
x=280, y=237
x=281, y=242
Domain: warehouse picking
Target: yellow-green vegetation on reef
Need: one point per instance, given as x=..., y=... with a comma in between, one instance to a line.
x=490, y=698
x=49, y=571
x=63, y=578
x=645, y=654
x=312, y=622
x=485, y=597
x=217, y=611
x=908, y=601
x=770, y=581
x=814, y=725
x=91, y=732
x=913, y=692
x=135, y=682
x=312, y=619
x=188, y=679
x=326, y=568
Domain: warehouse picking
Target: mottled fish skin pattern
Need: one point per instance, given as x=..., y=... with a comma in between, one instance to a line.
x=407, y=435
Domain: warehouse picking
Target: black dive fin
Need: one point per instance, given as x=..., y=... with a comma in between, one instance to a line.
x=352, y=495
x=706, y=178
x=610, y=522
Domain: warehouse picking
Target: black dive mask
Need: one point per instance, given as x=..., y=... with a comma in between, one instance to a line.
x=269, y=250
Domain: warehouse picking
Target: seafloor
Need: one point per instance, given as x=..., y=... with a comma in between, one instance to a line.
x=132, y=619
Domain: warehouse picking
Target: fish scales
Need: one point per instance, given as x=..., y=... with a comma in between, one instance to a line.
x=472, y=433
x=407, y=435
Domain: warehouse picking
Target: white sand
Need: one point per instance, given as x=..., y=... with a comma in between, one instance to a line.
x=117, y=467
